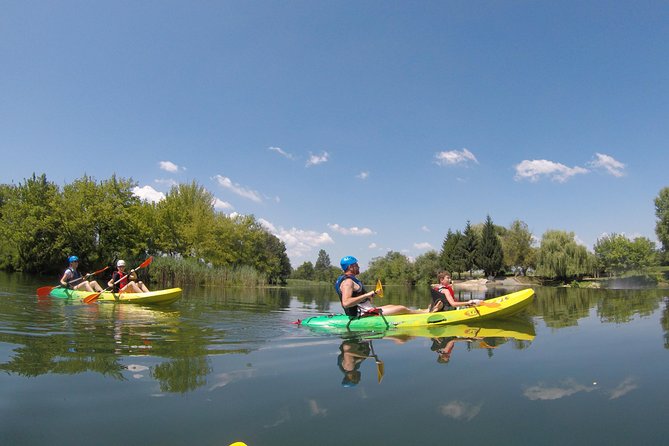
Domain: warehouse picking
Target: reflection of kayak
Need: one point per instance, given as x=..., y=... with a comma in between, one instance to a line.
x=499, y=307
x=162, y=297
x=521, y=330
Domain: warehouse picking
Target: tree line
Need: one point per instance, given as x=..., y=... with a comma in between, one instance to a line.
x=41, y=224
x=491, y=249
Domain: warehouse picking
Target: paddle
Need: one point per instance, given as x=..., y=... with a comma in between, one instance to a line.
x=46, y=290
x=379, y=288
x=380, y=367
x=93, y=297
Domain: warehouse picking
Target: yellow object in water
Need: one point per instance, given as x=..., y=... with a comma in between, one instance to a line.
x=238, y=443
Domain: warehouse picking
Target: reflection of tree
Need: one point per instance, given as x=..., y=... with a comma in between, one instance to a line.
x=54, y=354
x=620, y=306
x=563, y=307
x=182, y=375
x=98, y=338
x=665, y=323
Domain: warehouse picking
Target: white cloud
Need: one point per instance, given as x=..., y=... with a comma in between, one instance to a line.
x=423, y=245
x=317, y=159
x=372, y=246
x=169, y=166
x=452, y=157
x=608, y=163
x=459, y=410
x=532, y=170
x=568, y=388
x=363, y=175
x=237, y=189
x=424, y=228
x=353, y=230
x=281, y=152
x=147, y=193
x=299, y=242
x=221, y=205
x=623, y=388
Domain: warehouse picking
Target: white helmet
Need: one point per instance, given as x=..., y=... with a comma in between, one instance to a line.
x=120, y=263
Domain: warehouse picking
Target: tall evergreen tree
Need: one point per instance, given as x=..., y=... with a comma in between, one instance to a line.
x=469, y=247
x=490, y=256
x=323, y=267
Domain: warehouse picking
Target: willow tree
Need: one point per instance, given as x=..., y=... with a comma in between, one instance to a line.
x=517, y=246
x=560, y=257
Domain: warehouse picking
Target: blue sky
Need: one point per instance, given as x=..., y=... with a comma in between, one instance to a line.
x=355, y=127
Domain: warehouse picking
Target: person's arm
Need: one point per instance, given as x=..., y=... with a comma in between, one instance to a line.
x=65, y=278
x=347, y=299
x=111, y=281
x=455, y=303
x=132, y=275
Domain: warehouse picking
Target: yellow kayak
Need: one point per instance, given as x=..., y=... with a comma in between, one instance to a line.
x=162, y=297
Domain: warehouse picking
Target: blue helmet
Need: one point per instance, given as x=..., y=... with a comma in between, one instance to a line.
x=347, y=261
x=73, y=259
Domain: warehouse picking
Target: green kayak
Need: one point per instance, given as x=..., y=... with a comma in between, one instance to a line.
x=499, y=307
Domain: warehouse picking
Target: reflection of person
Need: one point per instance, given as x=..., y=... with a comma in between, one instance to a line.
x=355, y=300
x=443, y=347
x=352, y=352
x=126, y=283
x=443, y=296
x=73, y=279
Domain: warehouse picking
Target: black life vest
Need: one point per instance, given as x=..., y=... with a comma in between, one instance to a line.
x=350, y=311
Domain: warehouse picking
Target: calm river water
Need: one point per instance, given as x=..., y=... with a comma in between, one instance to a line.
x=581, y=367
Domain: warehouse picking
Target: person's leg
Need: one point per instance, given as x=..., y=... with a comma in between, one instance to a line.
x=143, y=287
x=398, y=309
x=95, y=285
x=84, y=286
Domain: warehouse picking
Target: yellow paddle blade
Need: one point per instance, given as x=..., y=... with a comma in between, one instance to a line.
x=379, y=288
x=380, y=370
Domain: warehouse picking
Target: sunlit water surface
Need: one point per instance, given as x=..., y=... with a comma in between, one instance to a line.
x=581, y=367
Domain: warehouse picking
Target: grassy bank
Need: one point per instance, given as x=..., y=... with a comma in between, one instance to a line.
x=169, y=272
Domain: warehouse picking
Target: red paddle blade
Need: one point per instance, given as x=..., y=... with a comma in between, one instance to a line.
x=145, y=263
x=92, y=298
x=44, y=291
x=95, y=273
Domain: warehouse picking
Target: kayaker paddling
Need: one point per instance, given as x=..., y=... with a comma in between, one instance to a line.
x=73, y=280
x=443, y=296
x=356, y=301
x=126, y=282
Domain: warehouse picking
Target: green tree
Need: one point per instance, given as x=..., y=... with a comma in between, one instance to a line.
x=185, y=219
x=30, y=227
x=305, y=271
x=560, y=257
x=517, y=247
x=426, y=267
x=662, y=214
x=469, y=248
x=616, y=253
x=490, y=257
x=323, y=267
x=394, y=267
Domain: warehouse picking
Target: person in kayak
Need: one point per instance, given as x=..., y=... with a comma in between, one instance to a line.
x=356, y=301
x=443, y=296
x=73, y=280
x=126, y=282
